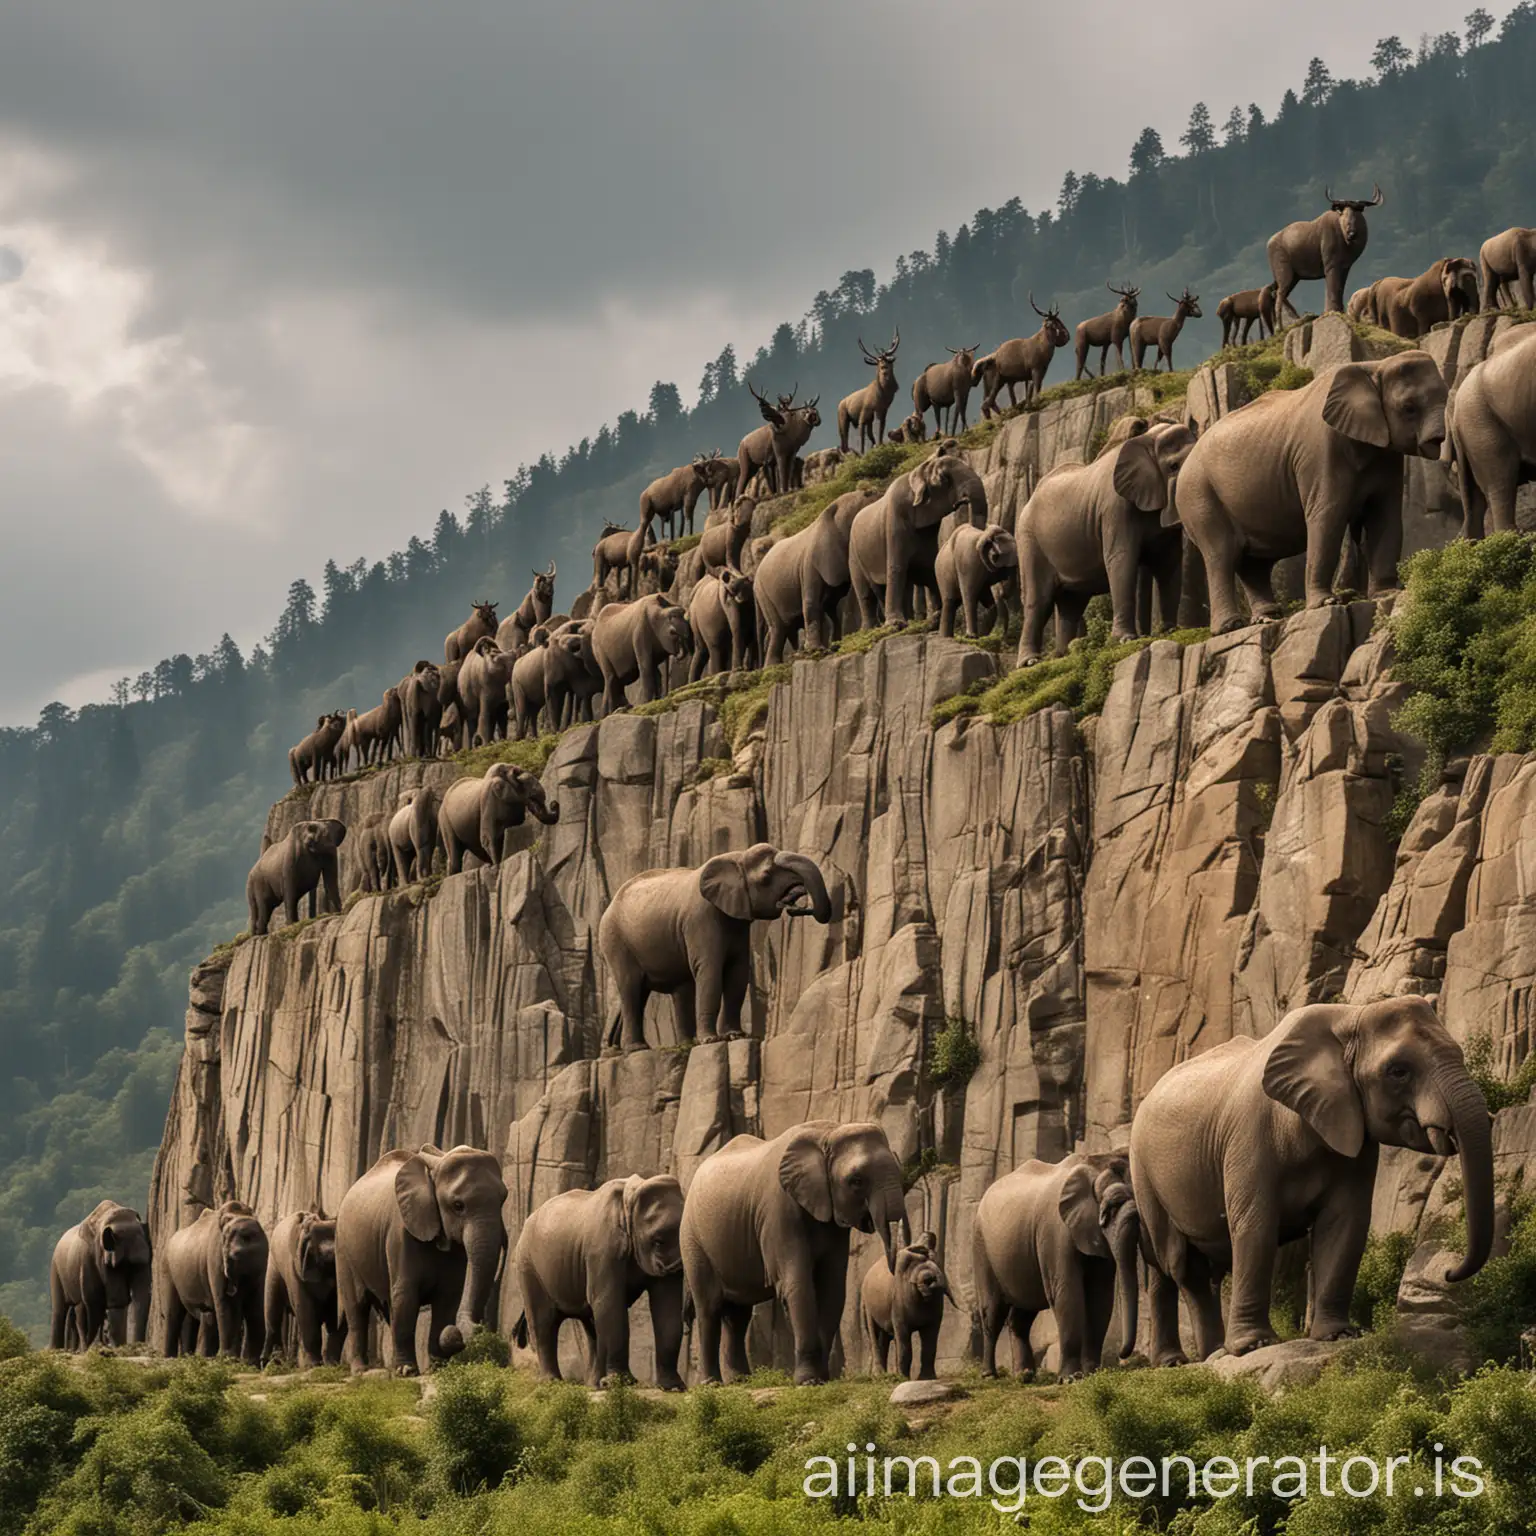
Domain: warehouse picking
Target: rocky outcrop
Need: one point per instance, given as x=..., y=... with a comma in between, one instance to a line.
x=1090, y=903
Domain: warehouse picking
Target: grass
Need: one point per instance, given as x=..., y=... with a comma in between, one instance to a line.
x=532, y=754
x=740, y=698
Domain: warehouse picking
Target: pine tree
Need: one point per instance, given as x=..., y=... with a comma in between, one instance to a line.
x=1318, y=86
x=1232, y=130
x=1255, y=118
x=666, y=404
x=1147, y=152
x=1066, y=199
x=1390, y=57
x=1479, y=24
x=1200, y=135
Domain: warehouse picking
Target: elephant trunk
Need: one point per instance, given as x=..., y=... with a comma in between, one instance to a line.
x=484, y=1249
x=888, y=1211
x=1124, y=1244
x=1473, y=1129
x=809, y=875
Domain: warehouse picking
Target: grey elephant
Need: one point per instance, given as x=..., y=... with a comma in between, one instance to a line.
x=590, y=1254
x=480, y=623
x=1508, y=262
x=725, y=535
x=420, y=1229
x=301, y=1285
x=213, y=1275
x=294, y=867
x=800, y=582
x=687, y=933
x=1060, y=1235
x=909, y=1300
x=632, y=642
x=1103, y=527
x=1492, y=442
x=412, y=834
x=1413, y=306
x=421, y=709
x=973, y=568
x=1256, y=1143
x=894, y=541
x=99, y=1279
x=315, y=756
x=723, y=619
x=476, y=814
x=1299, y=471
x=1325, y=247
x=773, y=1219
x=484, y=681
x=370, y=845
x=528, y=689
x=572, y=678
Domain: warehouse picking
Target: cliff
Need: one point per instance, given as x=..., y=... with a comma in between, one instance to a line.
x=1090, y=902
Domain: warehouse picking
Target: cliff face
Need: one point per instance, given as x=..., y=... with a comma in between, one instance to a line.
x=1095, y=903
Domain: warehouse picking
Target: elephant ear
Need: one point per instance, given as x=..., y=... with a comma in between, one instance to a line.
x=1138, y=475
x=804, y=1173
x=928, y=476
x=723, y=883
x=338, y=830
x=1080, y=1213
x=1353, y=407
x=1308, y=1073
x=417, y=1199
x=629, y=1202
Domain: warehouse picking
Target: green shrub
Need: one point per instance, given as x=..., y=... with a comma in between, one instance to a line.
x=477, y=1442
x=1499, y=1302
x=730, y=1430
x=486, y=1347
x=1501, y=1093
x=954, y=1056
x=1381, y=1273
x=13, y=1341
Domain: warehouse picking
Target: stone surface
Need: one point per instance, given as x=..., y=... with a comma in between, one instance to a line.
x=1428, y=1314
x=1277, y=1366
x=911, y=1394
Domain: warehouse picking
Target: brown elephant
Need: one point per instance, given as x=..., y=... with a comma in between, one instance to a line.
x=687, y=933
x=723, y=619
x=212, y=1275
x=294, y=867
x=1412, y=306
x=907, y=1301
x=1492, y=440
x=1255, y=1143
x=484, y=697
x=315, y=756
x=974, y=566
x=420, y=1229
x=1299, y=470
x=476, y=814
x=1508, y=262
x=99, y=1280
x=590, y=1255
x=301, y=1286
x=632, y=642
x=421, y=709
x=1325, y=247
x=572, y=678
x=480, y=623
x=412, y=834
x=726, y=534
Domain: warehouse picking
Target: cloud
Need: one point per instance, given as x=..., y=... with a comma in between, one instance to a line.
x=277, y=282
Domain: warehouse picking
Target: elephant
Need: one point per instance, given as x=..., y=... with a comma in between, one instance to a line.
x=420, y=1229
x=773, y=1219
x=800, y=582
x=100, y=1279
x=611, y=555
x=725, y=536
x=905, y=1301
x=412, y=834
x=1102, y=527
x=484, y=681
x=316, y=754
x=1493, y=432
x=421, y=709
x=476, y=814
x=1060, y=1235
x=687, y=933
x=1508, y=262
x=723, y=619
x=1297, y=470
x=1412, y=306
x=1256, y=1143
x=972, y=566
x=376, y=865
x=1325, y=247
x=1239, y=311
x=571, y=675
x=301, y=1284
x=213, y=1273
x=294, y=867
x=373, y=736
x=480, y=624
x=895, y=540
x=529, y=690
x=633, y=642
x=590, y=1254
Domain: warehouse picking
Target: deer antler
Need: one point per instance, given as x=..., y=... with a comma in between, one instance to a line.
x=890, y=351
x=1376, y=199
x=869, y=357
x=1042, y=313
x=771, y=414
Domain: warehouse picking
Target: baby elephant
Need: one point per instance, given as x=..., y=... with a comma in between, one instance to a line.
x=910, y=1301
x=590, y=1254
x=294, y=867
x=214, y=1275
x=971, y=565
x=301, y=1284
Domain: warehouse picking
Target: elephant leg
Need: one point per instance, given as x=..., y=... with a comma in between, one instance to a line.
x=252, y=1324
x=1256, y=577
x=697, y=664
x=1122, y=559
x=1381, y=529
x=544, y=1327
x=1200, y=1287
x=1499, y=501
x=736, y=1319
x=991, y=1306
x=904, y=1352
x=971, y=608
x=1255, y=1245
x=59, y=1318
x=227, y=1320
x=307, y=1318
x=1039, y=581
x=1069, y=1306
x=632, y=992
x=1099, y=1294
x=1069, y=619
x=733, y=994
x=1326, y=528
x=207, y=1335
x=1166, y=1348
x=610, y=1330
x=1339, y=1234
x=276, y=1308
x=880, y=1348
x=1020, y=1321
x=356, y=1312
x=175, y=1316
x=1167, y=576
x=335, y=1337
x=928, y=1356
x=404, y=1309
x=443, y=1309
x=665, y=1298
x=799, y=1295
x=90, y=1314
x=707, y=1320
x=865, y=593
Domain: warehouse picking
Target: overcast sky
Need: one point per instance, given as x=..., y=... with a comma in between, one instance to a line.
x=279, y=281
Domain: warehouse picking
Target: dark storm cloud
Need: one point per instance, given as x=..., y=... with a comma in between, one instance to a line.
x=369, y=236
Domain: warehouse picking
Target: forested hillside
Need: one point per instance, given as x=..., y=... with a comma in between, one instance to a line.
x=126, y=829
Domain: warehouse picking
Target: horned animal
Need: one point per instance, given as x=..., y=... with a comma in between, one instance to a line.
x=867, y=408
x=1107, y=330
x=1023, y=360
x=946, y=387
x=773, y=449
x=1162, y=331
x=1325, y=247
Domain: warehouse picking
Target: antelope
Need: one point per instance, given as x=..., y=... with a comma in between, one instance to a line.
x=1163, y=330
x=773, y=449
x=1242, y=310
x=867, y=408
x=1107, y=330
x=1023, y=360
x=944, y=386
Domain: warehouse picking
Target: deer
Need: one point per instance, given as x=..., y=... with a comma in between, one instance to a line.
x=1239, y=311
x=944, y=386
x=867, y=408
x=1107, y=330
x=1162, y=331
x=1023, y=360
x=773, y=449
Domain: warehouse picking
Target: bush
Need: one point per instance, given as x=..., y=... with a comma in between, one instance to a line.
x=13, y=1341
x=1501, y=1093
x=1381, y=1273
x=477, y=1442
x=1499, y=1302
x=955, y=1055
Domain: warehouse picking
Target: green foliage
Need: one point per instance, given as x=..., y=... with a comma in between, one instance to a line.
x=954, y=1056
x=532, y=754
x=477, y=1441
x=1381, y=1273
x=1499, y=1302
x=1500, y=1092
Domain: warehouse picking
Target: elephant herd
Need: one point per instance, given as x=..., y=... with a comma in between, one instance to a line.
x=1252, y=1145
